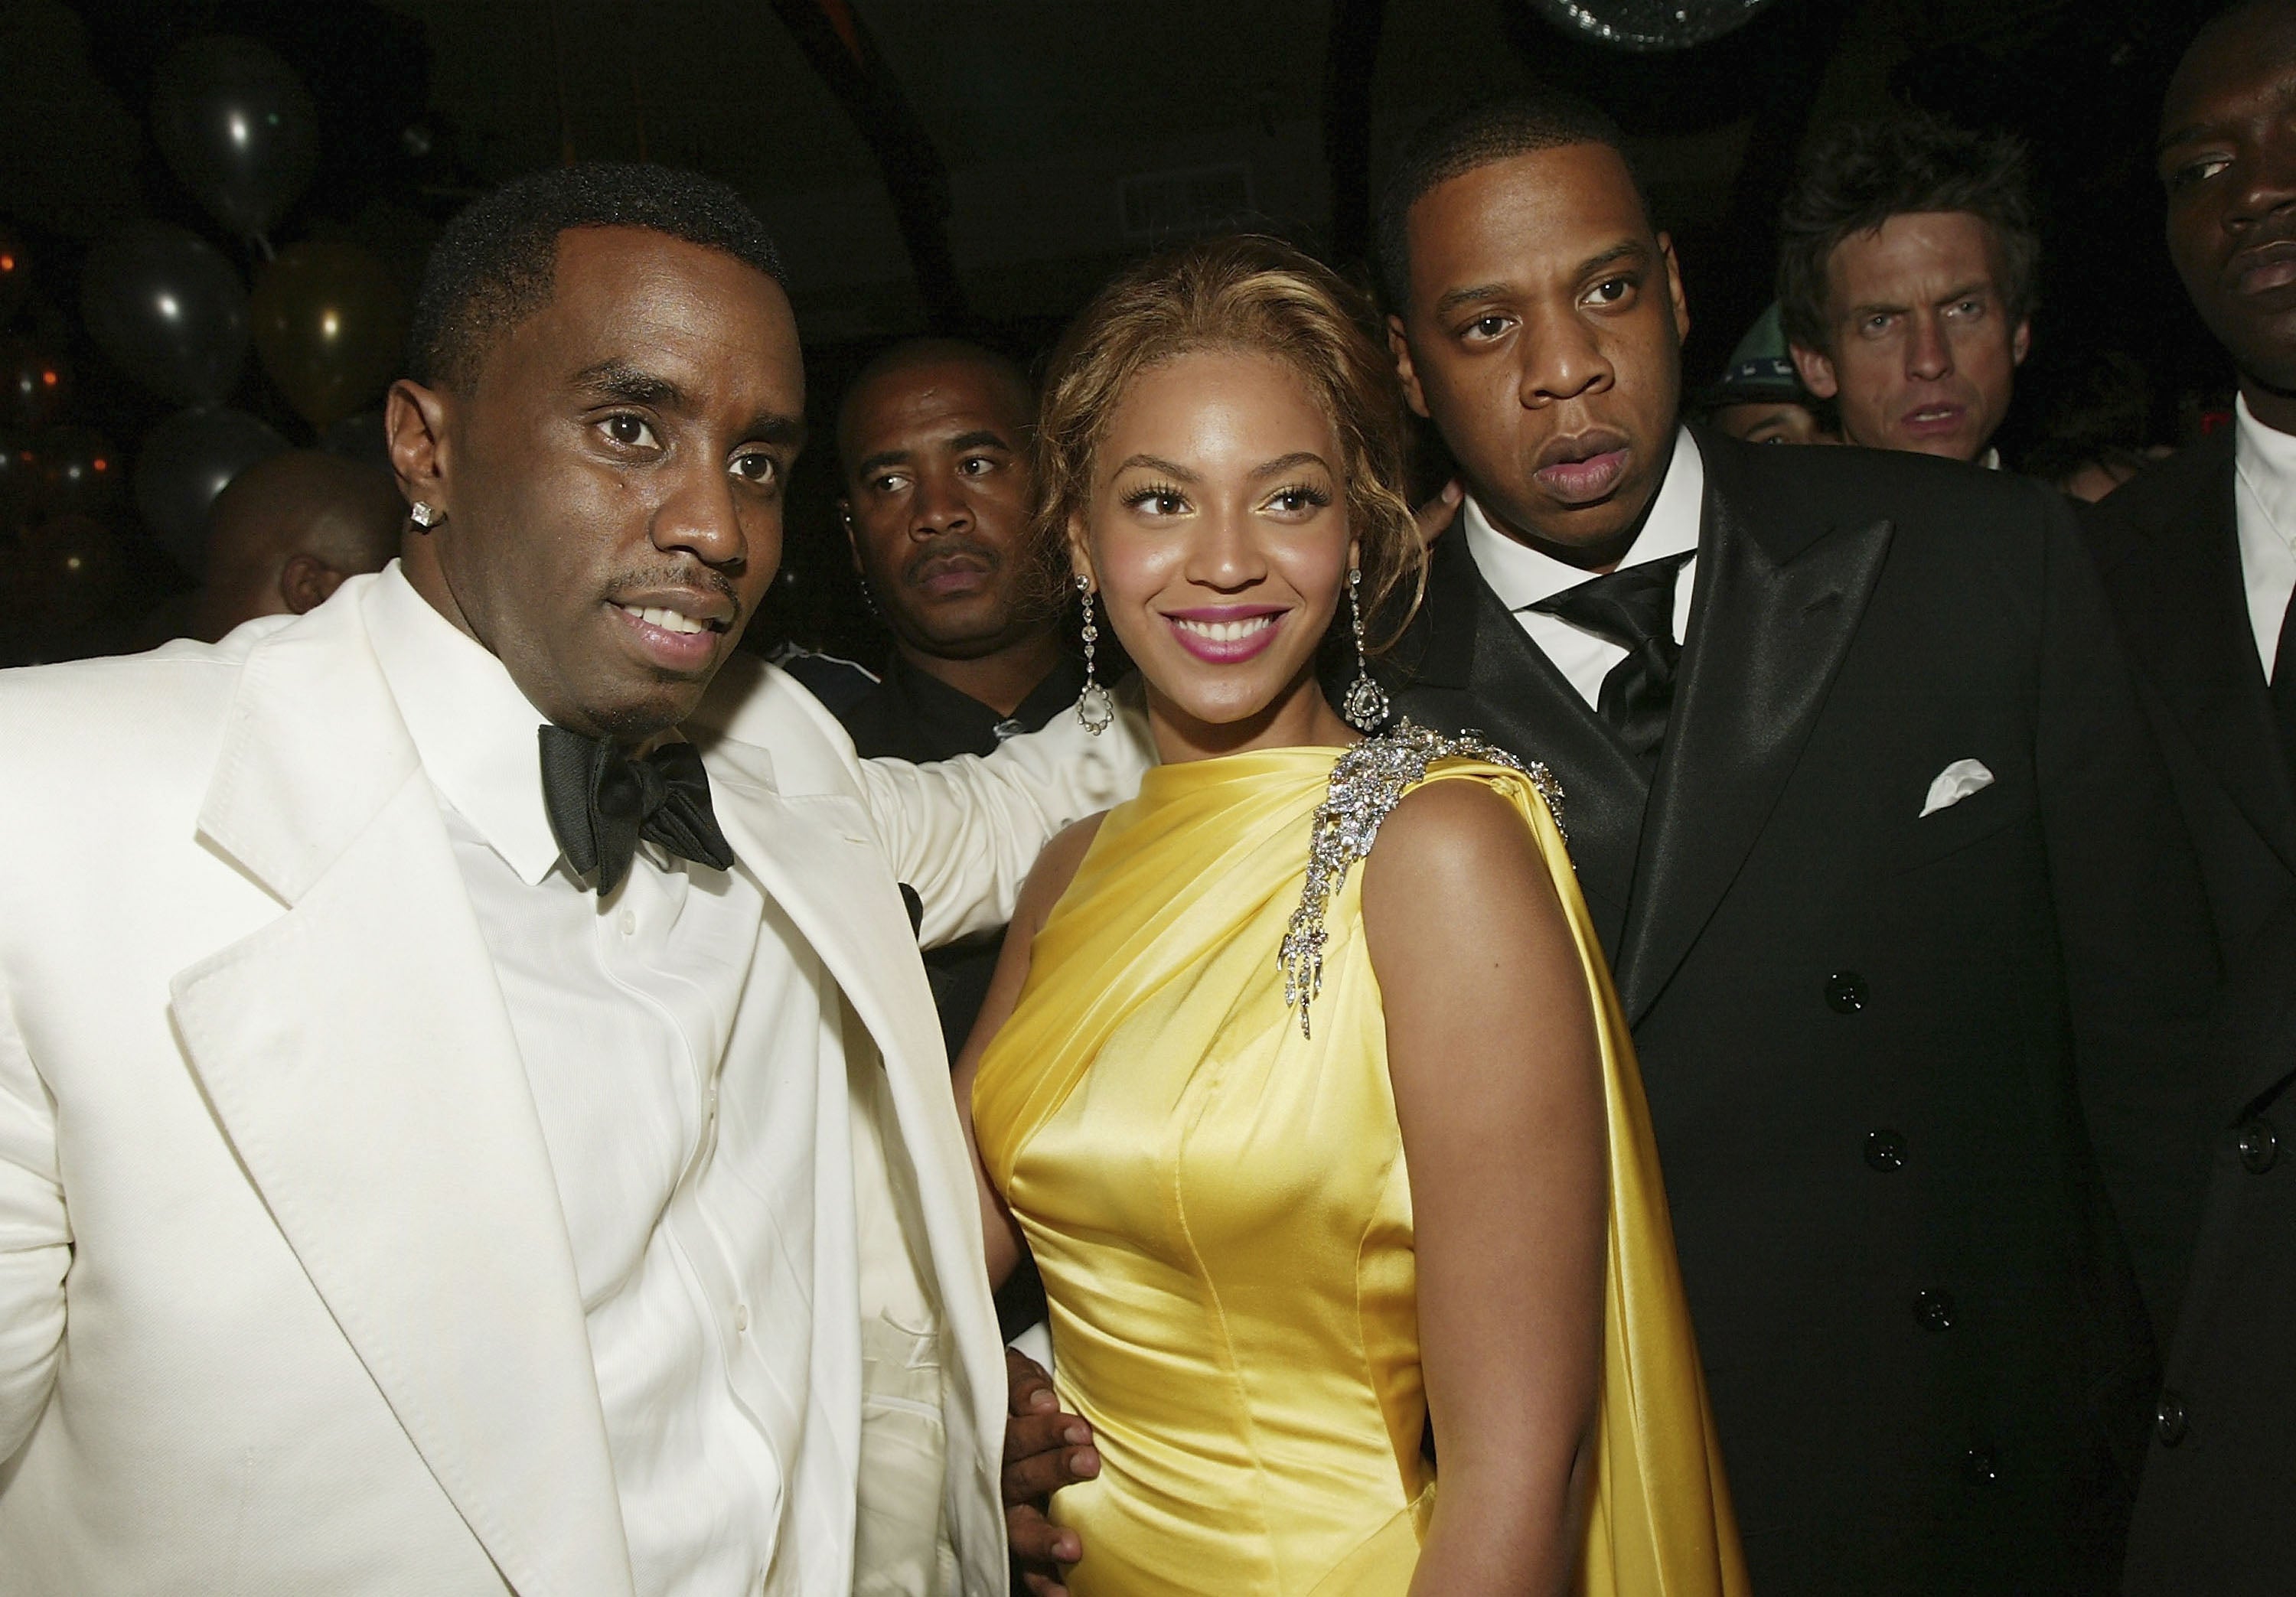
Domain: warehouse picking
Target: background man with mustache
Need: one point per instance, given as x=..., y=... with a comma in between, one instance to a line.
x=2199, y=557
x=933, y=440
x=1906, y=257
x=1869, y=821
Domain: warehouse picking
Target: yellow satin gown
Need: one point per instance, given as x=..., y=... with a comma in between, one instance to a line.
x=1219, y=1208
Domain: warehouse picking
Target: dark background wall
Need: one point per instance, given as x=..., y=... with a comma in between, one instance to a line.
x=981, y=166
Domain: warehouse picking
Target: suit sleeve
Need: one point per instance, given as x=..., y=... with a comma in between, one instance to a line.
x=34, y=1241
x=963, y=832
x=2142, y=965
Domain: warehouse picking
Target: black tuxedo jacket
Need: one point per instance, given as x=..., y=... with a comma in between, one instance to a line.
x=2218, y=1509
x=1859, y=1027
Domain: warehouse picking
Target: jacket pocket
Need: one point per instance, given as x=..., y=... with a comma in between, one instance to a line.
x=902, y=1546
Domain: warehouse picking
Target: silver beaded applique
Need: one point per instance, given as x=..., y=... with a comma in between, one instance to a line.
x=1368, y=782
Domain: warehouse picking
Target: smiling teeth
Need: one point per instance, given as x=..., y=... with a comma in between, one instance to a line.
x=668, y=620
x=1226, y=632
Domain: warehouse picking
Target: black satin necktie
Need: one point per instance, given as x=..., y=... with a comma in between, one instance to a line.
x=1633, y=608
x=601, y=802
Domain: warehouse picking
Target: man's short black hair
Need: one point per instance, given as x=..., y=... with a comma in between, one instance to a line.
x=1861, y=174
x=1475, y=134
x=905, y=354
x=495, y=263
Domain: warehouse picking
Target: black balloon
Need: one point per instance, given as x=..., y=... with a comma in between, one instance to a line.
x=166, y=306
x=80, y=472
x=237, y=128
x=359, y=437
x=1650, y=24
x=33, y=382
x=188, y=460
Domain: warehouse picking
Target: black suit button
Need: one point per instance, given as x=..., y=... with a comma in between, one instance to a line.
x=1846, y=992
x=1934, y=1310
x=1981, y=1465
x=2259, y=1145
x=1885, y=1151
x=2169, y=1422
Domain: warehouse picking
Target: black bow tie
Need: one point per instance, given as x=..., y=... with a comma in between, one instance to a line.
x=601, y=802
x=1633, y=608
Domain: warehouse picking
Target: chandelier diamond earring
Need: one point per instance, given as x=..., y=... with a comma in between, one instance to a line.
x=1095, y=711
x=1365, y=706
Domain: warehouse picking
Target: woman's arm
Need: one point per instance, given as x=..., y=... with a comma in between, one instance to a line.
x=1055, y=869
x=1498, y=1089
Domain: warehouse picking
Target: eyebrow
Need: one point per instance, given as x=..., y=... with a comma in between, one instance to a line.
x=1459, y=297
x=1629, y=249
x=1157, y=463
x=771, y=427
x=1878, y=308
x=1304, y=457
x=2191, y=133
x=2223, y=127
x=981, y=438
x=619, y=380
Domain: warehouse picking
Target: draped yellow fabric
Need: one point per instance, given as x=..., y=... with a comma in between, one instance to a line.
x=1222, y=1215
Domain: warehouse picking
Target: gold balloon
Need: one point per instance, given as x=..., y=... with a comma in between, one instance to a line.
x=328, y=323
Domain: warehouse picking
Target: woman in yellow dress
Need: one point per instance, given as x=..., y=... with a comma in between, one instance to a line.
x=1301, y=1076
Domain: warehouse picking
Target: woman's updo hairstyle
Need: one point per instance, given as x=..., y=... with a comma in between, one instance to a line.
x=1255, y=295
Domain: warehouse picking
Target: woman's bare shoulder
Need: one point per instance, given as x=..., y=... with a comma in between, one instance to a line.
x=1457, y=824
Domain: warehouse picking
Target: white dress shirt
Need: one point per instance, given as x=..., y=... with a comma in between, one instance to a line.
x=685, y=1168
x=1521, y=576
x=2264, y=502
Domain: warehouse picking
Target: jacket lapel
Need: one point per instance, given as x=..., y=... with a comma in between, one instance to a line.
x=2183, y=603
x=816, y=855
x=1767, y=633
x=1472, y=668
x=359, y=1056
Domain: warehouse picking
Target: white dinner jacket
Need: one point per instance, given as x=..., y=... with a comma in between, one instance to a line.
x=286, y=1300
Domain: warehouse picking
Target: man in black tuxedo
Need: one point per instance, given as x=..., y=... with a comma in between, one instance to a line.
x=2199, y=557
x=1868, y=818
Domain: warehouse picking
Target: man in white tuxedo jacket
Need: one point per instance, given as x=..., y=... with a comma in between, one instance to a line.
x=394, y=1196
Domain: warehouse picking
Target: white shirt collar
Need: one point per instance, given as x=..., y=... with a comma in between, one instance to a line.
x=1521, y=576
x=1991, y=460
x=477, y=735
x=2266, y=459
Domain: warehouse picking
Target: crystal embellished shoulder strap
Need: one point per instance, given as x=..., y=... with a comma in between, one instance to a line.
x=1368, y=781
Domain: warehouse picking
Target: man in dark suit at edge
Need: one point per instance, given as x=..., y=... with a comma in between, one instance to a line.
x=1868, y=818
x=2199, y=558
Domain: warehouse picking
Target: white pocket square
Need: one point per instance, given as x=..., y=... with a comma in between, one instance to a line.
x=1955, y=783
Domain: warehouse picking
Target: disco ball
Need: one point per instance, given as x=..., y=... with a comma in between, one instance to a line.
x=1648, y=24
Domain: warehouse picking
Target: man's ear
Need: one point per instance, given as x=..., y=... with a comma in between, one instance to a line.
x=1399, y=346
x=306, y=582
x=1674, y=289
x=2021, y=342
x=1816, y=371
x=414, y=426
